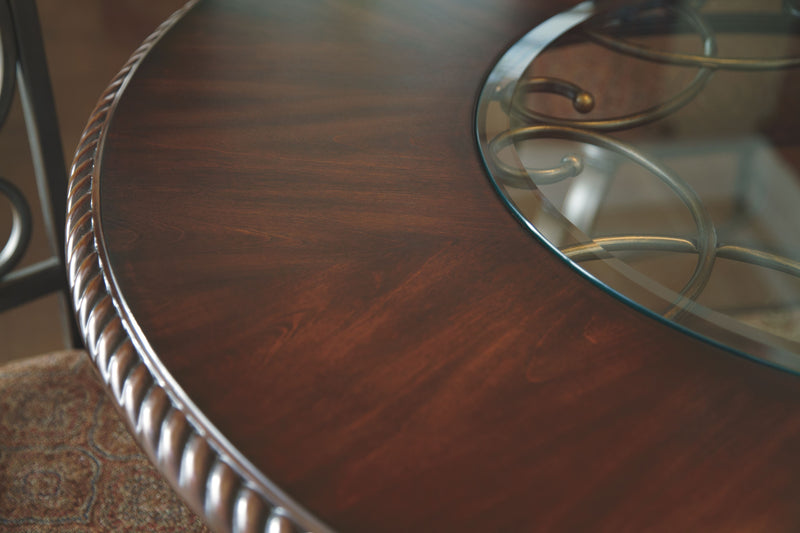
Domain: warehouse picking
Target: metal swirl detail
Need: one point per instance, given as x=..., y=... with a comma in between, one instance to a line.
x=707, y=237
x=639, y=118
x=527, y=123
x=21, y=225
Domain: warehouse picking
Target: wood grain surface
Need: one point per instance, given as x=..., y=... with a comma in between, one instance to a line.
x=296, y=215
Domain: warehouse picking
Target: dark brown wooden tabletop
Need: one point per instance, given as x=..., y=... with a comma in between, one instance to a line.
x=299, y=232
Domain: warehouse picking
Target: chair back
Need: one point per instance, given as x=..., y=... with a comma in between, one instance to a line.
x=23, y=65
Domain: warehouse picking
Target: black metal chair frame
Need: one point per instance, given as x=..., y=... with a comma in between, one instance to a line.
x=23, y=63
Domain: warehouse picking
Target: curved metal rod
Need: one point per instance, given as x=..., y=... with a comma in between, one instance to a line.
x=601, y=248
x=582, y=101
x=640, y=118
x=20, y=234
x=571, y=165
x=690, y=60
x=760, y=258
x=706, y=234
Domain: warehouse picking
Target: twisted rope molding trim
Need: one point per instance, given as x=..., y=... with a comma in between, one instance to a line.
x=211, y=479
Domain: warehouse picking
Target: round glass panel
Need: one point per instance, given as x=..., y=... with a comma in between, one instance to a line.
x=655, y=147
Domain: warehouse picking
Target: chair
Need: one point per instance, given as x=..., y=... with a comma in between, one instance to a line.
x=24, y=64
x=66, y=460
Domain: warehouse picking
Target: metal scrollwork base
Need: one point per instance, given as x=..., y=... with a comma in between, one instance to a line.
x=514, y=94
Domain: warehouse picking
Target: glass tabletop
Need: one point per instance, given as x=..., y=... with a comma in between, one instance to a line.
x=654, y=146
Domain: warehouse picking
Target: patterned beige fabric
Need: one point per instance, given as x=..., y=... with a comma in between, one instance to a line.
x=67, y=462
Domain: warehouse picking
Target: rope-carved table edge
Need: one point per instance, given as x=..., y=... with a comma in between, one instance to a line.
x=200, y=464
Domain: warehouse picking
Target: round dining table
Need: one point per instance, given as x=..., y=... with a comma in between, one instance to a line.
x=316, y=313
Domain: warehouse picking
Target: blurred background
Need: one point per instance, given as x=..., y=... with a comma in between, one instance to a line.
x=86, y=42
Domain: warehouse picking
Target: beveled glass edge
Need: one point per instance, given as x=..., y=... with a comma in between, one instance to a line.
x=503, y=76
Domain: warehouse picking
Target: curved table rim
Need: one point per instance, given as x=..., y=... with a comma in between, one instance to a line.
x=198, y=461
x=206, y=470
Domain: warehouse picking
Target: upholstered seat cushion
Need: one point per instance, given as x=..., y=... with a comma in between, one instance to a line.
x=67, y=462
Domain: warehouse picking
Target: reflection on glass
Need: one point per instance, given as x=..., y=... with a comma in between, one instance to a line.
x=655, y=145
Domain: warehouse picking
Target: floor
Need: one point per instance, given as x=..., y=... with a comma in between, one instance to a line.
x=86, y=42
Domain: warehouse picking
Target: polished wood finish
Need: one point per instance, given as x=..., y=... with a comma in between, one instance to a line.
x=297, y=218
